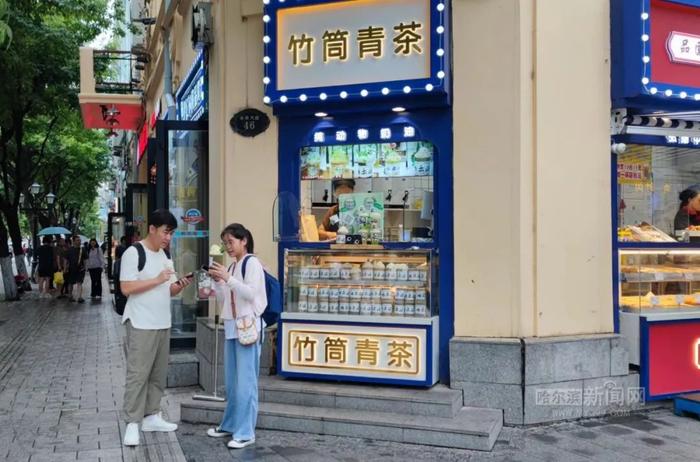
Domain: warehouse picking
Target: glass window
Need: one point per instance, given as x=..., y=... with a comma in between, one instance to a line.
x=658, y=193
x=187, y=200
x=378, y=191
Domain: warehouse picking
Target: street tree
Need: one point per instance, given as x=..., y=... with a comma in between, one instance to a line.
x=39, y=73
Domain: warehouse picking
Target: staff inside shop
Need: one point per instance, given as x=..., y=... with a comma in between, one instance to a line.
x=689, y=210
x=328, y=228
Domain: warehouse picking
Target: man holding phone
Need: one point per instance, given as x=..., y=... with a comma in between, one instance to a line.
x=147, y=320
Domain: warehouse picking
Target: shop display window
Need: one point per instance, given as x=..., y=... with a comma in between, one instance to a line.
x=659, y=280
x=366, y=284
x=383, y=192
x=653, y=183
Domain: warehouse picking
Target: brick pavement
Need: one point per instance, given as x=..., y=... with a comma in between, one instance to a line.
x=61, y=385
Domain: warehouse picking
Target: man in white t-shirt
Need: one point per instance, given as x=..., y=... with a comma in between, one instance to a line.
x=147, y=322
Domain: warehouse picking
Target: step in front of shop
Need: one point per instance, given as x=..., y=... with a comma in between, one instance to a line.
x=438, y=401
x=470, y=428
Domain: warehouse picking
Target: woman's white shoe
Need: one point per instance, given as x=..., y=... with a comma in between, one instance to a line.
x=217, y=433
x=238, y=444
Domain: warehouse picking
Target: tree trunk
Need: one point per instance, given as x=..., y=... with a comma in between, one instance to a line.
x=8, y=277
x=12, y=218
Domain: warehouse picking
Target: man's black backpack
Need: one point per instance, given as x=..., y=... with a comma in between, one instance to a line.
x=119, y=302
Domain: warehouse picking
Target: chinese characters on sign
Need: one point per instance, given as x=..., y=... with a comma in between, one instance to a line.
x=393, y=354
x=684, y=48
x=347, y=42
x=407, y=39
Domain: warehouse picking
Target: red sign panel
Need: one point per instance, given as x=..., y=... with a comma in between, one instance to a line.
x=143, y=142
x=674, y=357
x=675, y=48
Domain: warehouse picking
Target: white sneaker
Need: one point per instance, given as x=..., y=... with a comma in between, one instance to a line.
x=155, y=423
x=217, y=433
x=239, y=444
x=131, y=435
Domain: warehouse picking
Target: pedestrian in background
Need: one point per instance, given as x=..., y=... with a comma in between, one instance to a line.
x=244, y=299
x=45, y=267
x=94, y=265
x=76, y=257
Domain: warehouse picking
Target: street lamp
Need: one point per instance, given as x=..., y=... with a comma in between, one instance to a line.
x=35, y=188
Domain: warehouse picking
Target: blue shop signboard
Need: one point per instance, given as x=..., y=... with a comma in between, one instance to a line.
x=192, y=96
x=318, y=51
x=656, y=54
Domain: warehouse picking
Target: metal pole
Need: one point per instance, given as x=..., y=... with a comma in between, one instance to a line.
x=215, y=374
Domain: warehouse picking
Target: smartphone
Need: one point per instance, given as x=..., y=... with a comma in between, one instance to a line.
x=205, y=268
x=186, y=276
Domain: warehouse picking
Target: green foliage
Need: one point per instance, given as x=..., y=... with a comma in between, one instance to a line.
x=41, y=134
x=5, y=31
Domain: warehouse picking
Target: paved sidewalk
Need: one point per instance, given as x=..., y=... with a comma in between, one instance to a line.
x=61, y=387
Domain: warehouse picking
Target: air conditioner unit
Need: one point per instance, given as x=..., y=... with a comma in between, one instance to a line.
x=202, y=25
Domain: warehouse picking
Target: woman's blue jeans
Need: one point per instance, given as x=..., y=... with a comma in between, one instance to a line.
x=241, y=367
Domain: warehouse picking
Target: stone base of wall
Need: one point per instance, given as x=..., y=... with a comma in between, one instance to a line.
x=539, y=380
x=205, y=354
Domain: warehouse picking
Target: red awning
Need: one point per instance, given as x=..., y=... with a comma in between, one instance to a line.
x=111, y=111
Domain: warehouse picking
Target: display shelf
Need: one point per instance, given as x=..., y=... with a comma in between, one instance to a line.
x=354, y=319
x=363, y=282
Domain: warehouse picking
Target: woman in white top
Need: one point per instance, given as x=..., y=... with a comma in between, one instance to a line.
x=242, y=298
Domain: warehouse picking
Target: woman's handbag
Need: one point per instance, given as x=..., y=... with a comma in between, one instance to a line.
x=58, y=278
x=247, y=333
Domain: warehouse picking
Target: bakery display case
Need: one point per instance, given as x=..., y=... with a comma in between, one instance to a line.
x=351, y=283
x=659, y=279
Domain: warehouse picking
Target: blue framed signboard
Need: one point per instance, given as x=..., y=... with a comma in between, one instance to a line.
x=192, y=96
x=655, y=54
x=334, y=50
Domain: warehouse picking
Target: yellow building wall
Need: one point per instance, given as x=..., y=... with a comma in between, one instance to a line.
x=532, y=180
x=243, y=171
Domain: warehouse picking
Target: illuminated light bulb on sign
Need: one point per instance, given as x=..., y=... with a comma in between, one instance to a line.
x=668, y=92
x=385, y=91
x=653, y=90
x=364, y=93
x=696, y=353
x=429, y=87
x=440, y=52
x=407, y=89
x=409, y=132
x=645, y=38
x=440, y=30
x=645, y=16
x=323, y=96
x=362, y=134
x=341, y=135
x=266, y=18
x=441, y=74
x=441, y=7
x=266, y=80
x=385, y=133
x=319, y=137
x=683, y=95
x=266, y=60
x=645, y=81
x=266, y=100
x=266, y=2
x=697, y=97
x=283, y=99
x=302, y=97
x=266, y=39
x=646, y=59
x=343, y=94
